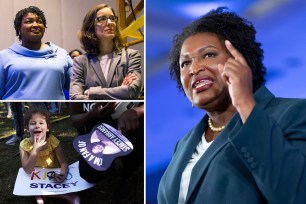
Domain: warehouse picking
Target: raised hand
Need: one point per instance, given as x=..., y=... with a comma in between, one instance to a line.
x=238, y=76
x=39, y=143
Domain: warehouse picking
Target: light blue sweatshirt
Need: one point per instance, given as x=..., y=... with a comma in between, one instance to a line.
x=34, y=74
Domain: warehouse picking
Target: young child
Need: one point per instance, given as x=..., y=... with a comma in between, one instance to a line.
x=43, y=150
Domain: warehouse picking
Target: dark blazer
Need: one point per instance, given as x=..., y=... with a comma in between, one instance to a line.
x=260, y=161
x=87, y=74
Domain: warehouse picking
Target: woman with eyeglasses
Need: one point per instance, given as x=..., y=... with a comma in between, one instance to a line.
x=33, y=70
x=107, y=71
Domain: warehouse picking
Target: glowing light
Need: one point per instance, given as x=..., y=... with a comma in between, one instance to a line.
x=195, y=10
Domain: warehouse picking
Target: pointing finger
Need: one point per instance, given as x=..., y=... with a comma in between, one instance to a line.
x=235, y=53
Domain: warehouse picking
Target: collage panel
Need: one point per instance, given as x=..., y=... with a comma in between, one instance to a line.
x=91, y=152
x=41, y=38
x=225, y=101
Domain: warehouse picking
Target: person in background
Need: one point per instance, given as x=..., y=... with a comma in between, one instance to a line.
x=250, y=146
x=33, y=70
x=44, y=150
x=74, y=53
x=107, y=71
x=85, y=116
x=17, y=112
x=8, y=108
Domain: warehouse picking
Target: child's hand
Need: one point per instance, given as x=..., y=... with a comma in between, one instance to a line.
x=59, y=178
x=39, y=143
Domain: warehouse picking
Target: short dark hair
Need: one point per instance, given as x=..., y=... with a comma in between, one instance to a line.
x=227, y=26
x=75, y=50
x=20, y=14
x=32, y=111
x=87, y=36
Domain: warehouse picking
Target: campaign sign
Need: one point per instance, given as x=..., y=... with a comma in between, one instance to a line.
x=40, y=182
x=101, y=146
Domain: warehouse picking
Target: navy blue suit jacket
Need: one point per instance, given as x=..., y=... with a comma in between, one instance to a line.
x=260, y=161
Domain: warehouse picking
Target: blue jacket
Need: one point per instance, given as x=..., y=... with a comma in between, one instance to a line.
x=260, y=161
x=34, y=74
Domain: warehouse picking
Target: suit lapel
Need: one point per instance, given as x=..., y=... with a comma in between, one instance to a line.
x=112, y=69
x=95, y=63
x=201, y=166
x=262, y=96
x=180, y=160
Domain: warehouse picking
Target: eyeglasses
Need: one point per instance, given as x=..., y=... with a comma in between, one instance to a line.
x=103, y=19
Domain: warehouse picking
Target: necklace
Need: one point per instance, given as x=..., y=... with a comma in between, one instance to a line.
x=215, y=129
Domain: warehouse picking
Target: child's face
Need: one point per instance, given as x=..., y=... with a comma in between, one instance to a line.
x=38, y=127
